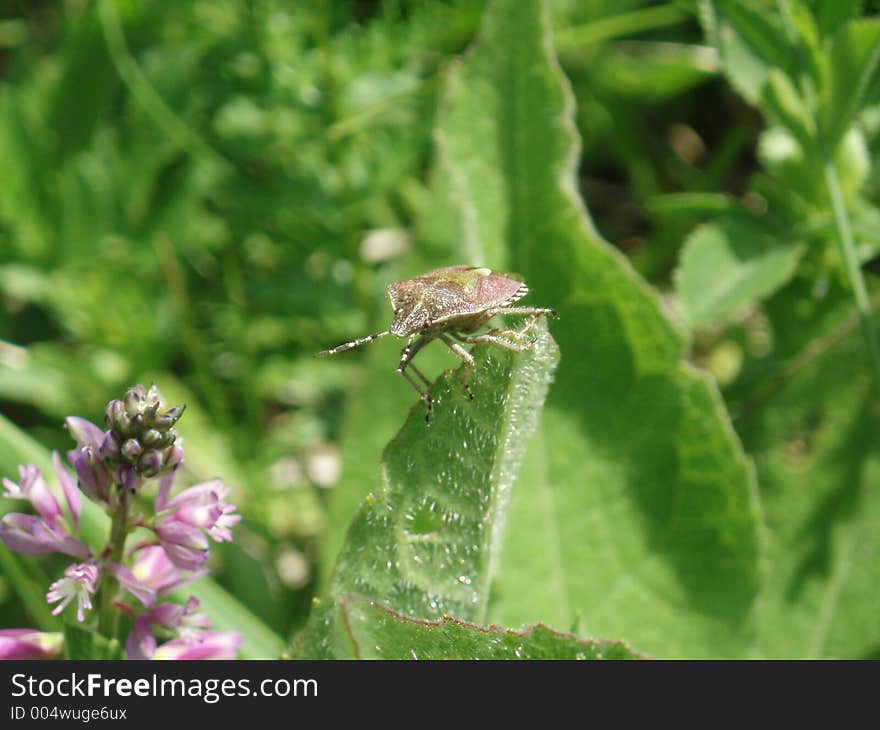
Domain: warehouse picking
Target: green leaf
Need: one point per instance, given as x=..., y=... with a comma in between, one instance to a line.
x=84, y=88
x=816, y=448
x=637, y=508
x=783, y=104
x=855, y=77
x=376, y=632
x=81, y=642
x=426, y=542
x=751, y=40
x=732, y=264
x=831, y=14
x=651, y=72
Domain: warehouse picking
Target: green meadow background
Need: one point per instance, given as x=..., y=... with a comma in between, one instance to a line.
x=685, y=464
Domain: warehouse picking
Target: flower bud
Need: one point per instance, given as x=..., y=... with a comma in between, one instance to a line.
x=128, y=478
x=168, y=418
x=172, y=456
x=109, y=447
x=114, y=412
x=151, y=463
x=91, y=473
x=133, y=400
x=151, y=437
x=145, y=428
x=131, y=449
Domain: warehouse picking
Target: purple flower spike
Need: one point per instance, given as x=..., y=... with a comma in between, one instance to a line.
x=127, y=580
x=79, y=582
x=29, y=644
x=209, y=645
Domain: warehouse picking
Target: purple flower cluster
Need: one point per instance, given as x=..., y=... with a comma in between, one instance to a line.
x=112, y=466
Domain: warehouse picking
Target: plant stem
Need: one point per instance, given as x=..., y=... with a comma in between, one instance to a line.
x=107, y=614
x=853, y=270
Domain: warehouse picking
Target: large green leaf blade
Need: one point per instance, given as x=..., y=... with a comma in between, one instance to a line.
x=637, y=513
x=816, y=449
x=426, y=542
x=377, y=632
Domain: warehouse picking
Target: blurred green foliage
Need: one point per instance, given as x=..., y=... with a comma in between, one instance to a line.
x=204, y=194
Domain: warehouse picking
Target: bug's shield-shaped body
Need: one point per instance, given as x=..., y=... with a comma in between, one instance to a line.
x=451, y=304
x=459, y=298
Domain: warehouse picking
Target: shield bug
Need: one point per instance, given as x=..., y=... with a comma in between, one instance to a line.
x=450, y=305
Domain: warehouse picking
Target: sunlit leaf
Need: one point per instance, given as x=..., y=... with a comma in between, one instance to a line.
x=376, y=632
x=426, y=542
x=815, y=444
x=637, y=509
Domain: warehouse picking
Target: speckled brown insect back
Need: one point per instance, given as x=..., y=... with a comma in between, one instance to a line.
x=451, y=304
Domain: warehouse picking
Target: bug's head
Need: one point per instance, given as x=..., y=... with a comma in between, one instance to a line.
x=408, y=305
x=408, y=320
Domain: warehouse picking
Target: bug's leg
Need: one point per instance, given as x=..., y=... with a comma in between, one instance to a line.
x=354, y=343
x=406, y=356
x=468, y=360
x=495, y=339
x=423, y=394
x=512, y=334
x=533, y=313
x=529, y=311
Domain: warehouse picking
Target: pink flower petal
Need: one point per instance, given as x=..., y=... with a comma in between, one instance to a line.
x=68, y=486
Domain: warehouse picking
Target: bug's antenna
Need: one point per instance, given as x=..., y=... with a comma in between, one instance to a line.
x=354, y=343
